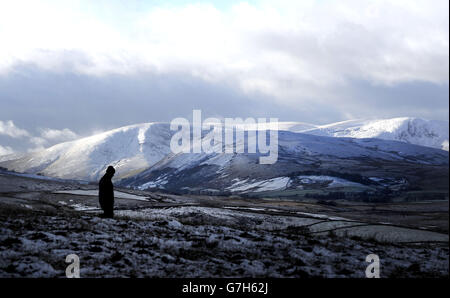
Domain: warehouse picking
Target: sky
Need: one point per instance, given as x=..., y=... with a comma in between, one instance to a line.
x=73, y=68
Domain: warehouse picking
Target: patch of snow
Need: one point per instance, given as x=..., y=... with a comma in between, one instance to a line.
x=81, y=207
x=259, y=186
x=334, y=181
x=160, y=182
x=117, y=194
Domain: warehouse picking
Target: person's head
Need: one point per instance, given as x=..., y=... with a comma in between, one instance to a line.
x=110, y=171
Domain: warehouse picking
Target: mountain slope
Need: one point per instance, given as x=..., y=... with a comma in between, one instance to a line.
x=304, y=162
x=129, y=149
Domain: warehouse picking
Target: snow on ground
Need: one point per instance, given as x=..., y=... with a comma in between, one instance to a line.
x=197, y=242
x=152, y=184
x=262, y=185
x=281, y=183
x=164, y=237
x=117, y=194
x=334, y=181
x=322, y=216
x=82, y=207
x=316, y=223
x=219, y=215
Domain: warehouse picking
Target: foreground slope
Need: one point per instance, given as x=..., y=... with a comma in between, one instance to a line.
x=163, y=235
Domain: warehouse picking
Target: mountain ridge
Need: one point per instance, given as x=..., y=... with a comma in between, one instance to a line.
x=142, y=157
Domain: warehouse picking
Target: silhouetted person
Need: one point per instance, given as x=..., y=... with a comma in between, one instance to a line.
x=106, y=193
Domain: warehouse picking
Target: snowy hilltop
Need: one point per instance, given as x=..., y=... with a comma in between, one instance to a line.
x=430, y=133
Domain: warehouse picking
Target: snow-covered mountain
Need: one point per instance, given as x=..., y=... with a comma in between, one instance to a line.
x=430, y=133
x=304, y=162
x=130, y=149
x=327, y=156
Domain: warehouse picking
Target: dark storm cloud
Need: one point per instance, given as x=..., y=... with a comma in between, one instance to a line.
x=418, y=99
x=36, y=98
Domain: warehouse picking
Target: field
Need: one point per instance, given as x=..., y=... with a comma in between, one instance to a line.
x=164, y=235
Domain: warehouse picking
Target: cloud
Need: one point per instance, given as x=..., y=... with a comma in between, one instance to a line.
x=49, y=137
x=6, y=150
x=293, y=51
x=56, y=135
x=8, y=128
x=11, y=135
x=88, y=65
x=38, y=142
